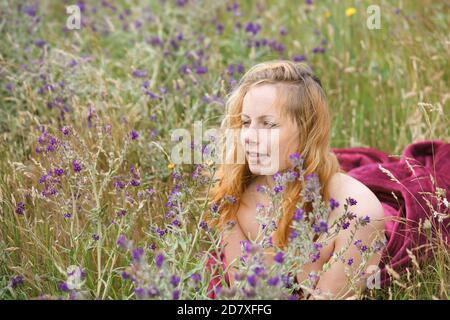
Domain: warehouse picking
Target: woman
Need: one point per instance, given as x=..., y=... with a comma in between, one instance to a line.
x=280, y=109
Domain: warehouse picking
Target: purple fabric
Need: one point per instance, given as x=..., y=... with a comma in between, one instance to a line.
x=426, y=158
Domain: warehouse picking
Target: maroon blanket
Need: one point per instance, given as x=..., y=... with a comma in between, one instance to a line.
x=425, y=158
x=404, y=205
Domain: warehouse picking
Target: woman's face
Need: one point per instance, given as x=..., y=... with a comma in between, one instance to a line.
x=268, y=136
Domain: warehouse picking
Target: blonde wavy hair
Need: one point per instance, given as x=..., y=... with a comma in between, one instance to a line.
x=303, y=100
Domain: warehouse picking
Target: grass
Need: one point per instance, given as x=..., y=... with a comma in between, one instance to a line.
x=386, y=88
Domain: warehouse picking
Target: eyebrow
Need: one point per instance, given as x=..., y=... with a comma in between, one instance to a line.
x=260, y=117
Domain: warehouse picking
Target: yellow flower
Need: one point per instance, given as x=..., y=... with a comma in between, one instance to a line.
x=350, y=11
x=327, y=14
x=171, y=165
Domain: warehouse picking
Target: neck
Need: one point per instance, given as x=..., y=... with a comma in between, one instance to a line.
x=265, y=180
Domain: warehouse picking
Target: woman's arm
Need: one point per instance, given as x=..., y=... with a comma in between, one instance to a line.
x=334, y=282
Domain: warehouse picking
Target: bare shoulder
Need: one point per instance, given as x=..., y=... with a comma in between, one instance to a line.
x=342, y=186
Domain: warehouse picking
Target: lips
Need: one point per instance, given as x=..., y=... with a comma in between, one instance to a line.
x=256, y=154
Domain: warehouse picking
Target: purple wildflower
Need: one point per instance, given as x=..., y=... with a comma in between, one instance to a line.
x=161, y=232
x=16, y=281
x=299, y=58
x=364, y=221
x=122, y=213
x=76, y=166
x=119, y=184
x=40, y=43
x=155, y=41
x=201, y=70
x=152, y=246
x=196, y=277
x=315, y=256
x=333, y=204
x=63, y=287
x=273, y=281
x=287, y=280
x=252, y=280
x=137, y=254
x=174, y=280
x=204, y=225
x=321, y=227
x=159, y=260
x=43, y=178
x=246, y=245
x=298, y=214
x=220, y=28
x=230, y=69
x=259, y=270
x=279, y=257
x=134, y=135
x=30, y=10
x=140, y=292
x=317, y=50
x=145, y=84
x=214, y=207
x=20, y=208
x=230, y=199
x=259, y=188
x=277, y=188
x=59, y=171
x=9, y=86
x=350, y=201
x=139, y=73
x=293, y=235
x=253, y=28
x=122, y=241
x=295, y=159
x=153, y=291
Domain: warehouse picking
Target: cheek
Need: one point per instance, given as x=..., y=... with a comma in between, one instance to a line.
x=265, y=141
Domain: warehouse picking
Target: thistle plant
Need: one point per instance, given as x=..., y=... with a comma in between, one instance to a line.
x=85, y=123
x=310, y=232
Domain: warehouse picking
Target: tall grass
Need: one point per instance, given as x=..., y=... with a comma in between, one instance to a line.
x=386, y=88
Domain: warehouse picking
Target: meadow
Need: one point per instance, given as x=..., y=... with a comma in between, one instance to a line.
x=91, y=203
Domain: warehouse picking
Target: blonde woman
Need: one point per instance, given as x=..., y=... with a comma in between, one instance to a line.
x=287, y=97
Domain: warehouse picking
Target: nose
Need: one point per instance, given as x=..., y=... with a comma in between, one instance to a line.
x=250, y=137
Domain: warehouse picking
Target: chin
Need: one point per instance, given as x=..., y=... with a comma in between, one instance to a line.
x=262, y=170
